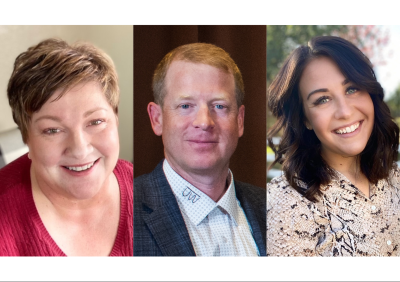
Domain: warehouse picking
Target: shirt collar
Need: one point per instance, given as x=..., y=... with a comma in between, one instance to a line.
x=196, y=204
x=344, y=183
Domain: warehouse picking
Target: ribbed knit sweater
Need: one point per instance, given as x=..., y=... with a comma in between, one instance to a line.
x=22, y=232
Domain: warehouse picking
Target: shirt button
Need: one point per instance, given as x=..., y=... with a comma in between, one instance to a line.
x=389, y=242
x=373, y=208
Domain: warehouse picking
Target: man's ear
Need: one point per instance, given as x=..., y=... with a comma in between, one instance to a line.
x=155, y=113
x=240, y=119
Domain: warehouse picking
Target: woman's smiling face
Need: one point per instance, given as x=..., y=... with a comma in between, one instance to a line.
x=73, y=142
x=340, y=113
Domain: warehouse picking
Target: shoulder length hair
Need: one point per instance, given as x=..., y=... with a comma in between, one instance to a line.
x=299, y=150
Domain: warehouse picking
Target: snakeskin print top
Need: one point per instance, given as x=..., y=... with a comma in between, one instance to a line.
x=343, y=222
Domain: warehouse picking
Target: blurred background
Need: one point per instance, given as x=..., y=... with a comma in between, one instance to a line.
x=381, y=44
x=116, y=41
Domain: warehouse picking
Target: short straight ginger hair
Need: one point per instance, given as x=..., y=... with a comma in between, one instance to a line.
x=199, y=53
x=51, y=65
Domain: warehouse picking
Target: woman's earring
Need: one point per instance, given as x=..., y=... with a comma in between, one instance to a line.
x=308, y=127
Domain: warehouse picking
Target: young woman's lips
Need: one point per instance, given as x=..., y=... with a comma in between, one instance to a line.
x=81, y=170
x=354, y=129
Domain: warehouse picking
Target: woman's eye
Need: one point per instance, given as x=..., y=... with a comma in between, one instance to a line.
x=51, y=131
x=351, y=90
x=321, y=100
x=96, y=122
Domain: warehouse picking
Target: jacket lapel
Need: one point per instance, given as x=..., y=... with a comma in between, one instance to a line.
x=254, y=217
x=165, y=222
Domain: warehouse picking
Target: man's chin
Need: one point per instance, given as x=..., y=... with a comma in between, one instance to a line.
x=206, y=166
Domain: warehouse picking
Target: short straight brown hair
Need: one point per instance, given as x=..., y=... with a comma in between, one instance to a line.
x=51, y=65
x=200, y=53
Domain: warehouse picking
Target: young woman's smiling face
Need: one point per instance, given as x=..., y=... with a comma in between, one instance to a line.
x=73, y=142
x=340, y=113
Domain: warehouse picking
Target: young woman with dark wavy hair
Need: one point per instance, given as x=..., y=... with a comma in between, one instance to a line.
x=340, y=192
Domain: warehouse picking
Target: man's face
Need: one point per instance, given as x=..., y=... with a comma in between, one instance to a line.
x=200, y=121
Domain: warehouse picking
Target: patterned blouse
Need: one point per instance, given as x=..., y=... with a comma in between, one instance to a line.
x=343, y=221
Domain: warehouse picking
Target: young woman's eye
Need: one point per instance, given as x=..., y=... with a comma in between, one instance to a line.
x=51, y=131
x=96, y=122
x=351, y=90
x=321, y=100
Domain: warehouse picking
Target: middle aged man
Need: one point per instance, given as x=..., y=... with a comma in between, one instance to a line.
x=190, y=204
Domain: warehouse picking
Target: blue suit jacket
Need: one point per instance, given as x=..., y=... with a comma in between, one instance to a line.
x=159, y=228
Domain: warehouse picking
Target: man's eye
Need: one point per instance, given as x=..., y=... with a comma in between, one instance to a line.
x=220, y=107
x=184, y=106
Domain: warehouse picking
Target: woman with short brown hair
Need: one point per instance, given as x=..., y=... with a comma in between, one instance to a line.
x=70, y=195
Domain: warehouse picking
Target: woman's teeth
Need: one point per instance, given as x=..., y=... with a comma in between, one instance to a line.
x=80, y=168
x=348, y=129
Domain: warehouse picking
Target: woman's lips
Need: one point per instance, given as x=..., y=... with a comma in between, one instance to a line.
x=81, y=169
x=349, y=130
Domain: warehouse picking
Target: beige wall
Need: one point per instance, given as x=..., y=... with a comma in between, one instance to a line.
x=116, y=41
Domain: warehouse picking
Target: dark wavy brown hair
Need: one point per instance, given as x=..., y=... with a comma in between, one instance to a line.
x=51, y=65
x=299, y=150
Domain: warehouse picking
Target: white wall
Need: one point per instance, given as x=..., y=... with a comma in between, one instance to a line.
x=116, y=41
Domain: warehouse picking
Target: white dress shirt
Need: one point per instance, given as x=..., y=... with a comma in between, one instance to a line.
x=215, y=229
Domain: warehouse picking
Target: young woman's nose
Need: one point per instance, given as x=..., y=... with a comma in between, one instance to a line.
x=344, y=108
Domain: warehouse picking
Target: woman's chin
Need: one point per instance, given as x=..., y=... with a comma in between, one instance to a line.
x=82, y=192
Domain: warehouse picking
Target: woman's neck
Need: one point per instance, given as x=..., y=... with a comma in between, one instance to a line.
x=350, y=168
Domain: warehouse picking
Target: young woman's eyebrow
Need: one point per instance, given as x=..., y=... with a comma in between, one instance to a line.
x=317, y=91
x=325, y=89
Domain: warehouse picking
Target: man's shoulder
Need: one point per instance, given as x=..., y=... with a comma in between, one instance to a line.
x=149, y=179
x=251, y=193
x=248, y=188
x=152, y=188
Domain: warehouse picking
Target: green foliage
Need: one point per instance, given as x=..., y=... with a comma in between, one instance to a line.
x=283, y=39
x=394, y=104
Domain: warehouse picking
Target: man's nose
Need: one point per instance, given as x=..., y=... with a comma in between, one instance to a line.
x=344, y=108
x=203, y=119
x=79, y=145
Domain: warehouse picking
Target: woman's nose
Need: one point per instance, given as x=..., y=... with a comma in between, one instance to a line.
x=344, y=108
x=79, y=145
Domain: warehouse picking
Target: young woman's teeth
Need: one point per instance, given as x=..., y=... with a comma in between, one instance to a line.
x=348, y=129
x=80, y=168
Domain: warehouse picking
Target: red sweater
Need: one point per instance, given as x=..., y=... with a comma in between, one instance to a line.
x=22, y=232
